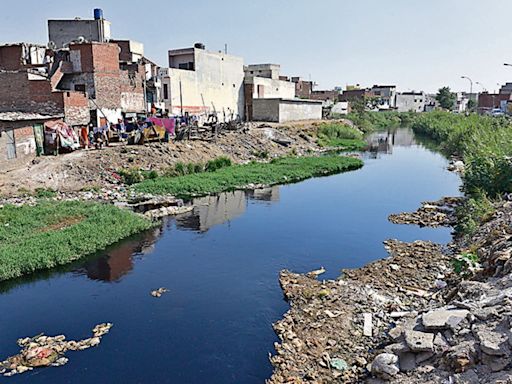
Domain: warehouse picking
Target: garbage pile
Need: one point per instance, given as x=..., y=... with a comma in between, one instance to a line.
x=45, y=351
x=439, y=213
x=332, y=326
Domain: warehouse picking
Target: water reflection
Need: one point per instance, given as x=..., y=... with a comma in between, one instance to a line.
x=382, y=142
x=210, y=211
x=118, y=262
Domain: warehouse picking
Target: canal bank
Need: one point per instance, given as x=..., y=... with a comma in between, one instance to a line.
x=221, y=264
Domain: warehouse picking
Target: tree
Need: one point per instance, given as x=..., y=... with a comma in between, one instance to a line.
x=446, y=98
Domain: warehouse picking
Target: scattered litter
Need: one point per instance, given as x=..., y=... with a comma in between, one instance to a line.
x=45, y=351
x=159, y=292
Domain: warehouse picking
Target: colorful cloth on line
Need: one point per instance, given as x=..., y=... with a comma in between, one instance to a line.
x=168, y=124
x=67, y=136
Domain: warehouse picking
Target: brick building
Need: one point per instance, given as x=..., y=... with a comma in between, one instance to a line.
x=303, y=88
x=28, y=86
x=21, y=137
x=326, y=96
x=114, y=88
x=489, y=101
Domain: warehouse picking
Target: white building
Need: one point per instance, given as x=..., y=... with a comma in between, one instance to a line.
x=411, y=102
x=201, y=82
x=63, y=32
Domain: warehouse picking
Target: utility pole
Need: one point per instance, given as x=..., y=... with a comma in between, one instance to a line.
x=470, y=86
x=181, y=99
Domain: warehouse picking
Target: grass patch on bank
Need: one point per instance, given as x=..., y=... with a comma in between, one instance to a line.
x=485, y=145
x=51, y=234
x=340, y=135
x=278, y=171
x=368, y=121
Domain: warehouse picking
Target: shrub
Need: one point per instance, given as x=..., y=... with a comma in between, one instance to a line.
x=45, y=193
x=218, y=163
x=131, y=176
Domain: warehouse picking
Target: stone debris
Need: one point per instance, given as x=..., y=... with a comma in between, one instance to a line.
x=159, y=292
x=385, y=366
x=45, y=351
x=439, y=213
x=430, y=324
x=168, y=211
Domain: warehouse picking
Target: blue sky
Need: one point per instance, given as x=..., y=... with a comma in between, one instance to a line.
x=414, y=44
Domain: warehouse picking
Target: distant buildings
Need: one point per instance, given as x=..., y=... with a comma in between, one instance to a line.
x=411, y=101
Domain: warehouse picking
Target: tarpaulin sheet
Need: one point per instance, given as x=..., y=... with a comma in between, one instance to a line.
x=67, y=137
x=168, y=124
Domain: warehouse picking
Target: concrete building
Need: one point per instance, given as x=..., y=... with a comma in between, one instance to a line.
x=411, y=102
x=201, y=82
x=386, y=95
x=281, y=110
x=341, y=108
x=264, y=81
x=61, y=33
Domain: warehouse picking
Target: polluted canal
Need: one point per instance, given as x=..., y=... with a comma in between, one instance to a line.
x=218, y=268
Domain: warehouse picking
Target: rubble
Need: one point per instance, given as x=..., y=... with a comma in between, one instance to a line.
x=45, y=351
x=430, y=325
x=439, y=213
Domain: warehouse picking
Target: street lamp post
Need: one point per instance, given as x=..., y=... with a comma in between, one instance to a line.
x=470, y=86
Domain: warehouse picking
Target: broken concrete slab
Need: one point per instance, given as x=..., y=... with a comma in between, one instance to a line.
x=419, y=341
x=443, y=319
x=492, y=343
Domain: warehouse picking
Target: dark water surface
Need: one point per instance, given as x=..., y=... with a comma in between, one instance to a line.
x=221, y=266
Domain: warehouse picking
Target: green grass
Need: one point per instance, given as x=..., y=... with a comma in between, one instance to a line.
x=279, y=171
x=371, y=121
x=340, y=135
x=485, y=145
x=51, y=234
x=345, y=144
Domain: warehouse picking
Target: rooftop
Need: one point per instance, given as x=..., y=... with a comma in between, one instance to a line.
x=23, y=116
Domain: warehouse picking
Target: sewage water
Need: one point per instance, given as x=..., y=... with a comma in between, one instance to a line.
x=221, y=265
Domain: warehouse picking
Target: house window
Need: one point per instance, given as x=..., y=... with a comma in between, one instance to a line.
x=80, y=87
x=166, y=91
x=261, y=91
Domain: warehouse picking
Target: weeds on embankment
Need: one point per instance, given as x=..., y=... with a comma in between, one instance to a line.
x=485, y=145
x=278, y=171
x=340, y=135
x=372, y=121
x=136, y=175
x=51, y=233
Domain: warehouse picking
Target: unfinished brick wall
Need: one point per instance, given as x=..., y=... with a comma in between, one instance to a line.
x=76, y=108
x=109, y=86
x=10, y=57
x=18, y=93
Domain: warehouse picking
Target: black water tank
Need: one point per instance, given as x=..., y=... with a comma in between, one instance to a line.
x=199, y=46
